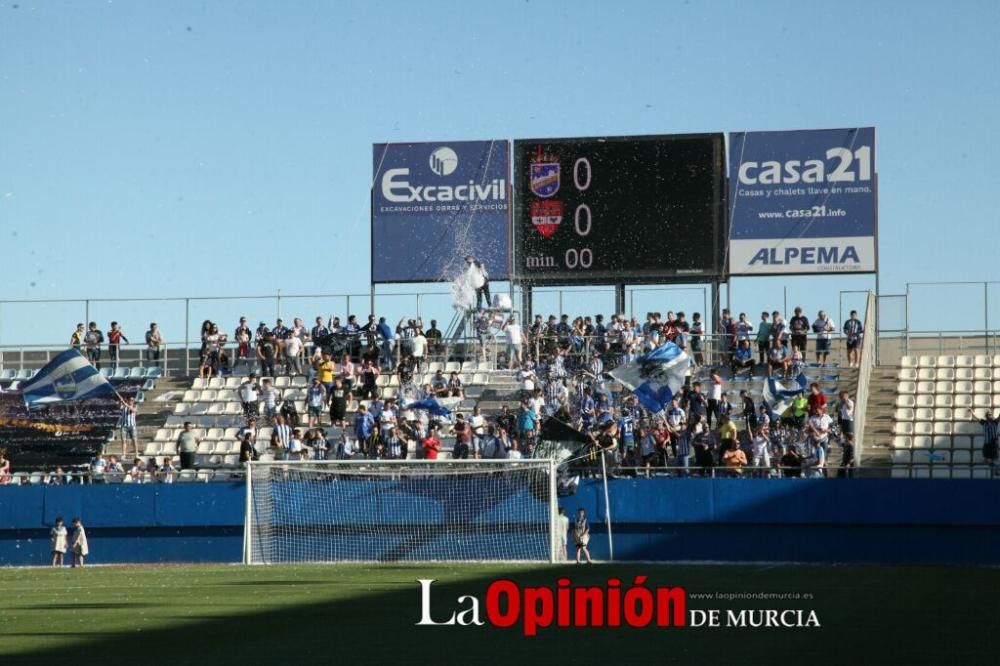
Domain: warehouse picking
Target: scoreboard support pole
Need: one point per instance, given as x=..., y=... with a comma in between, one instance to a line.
x=716, y=308
x=619, y=299
x=526, y=306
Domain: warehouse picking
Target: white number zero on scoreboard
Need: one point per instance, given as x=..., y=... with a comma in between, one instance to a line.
x=580, y=229
x=576, y=173
x=583, y=258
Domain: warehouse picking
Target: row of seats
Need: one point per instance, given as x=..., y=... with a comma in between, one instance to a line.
x=930, y=428
x=966, y=386
x=959, y=413
x=948, y=374
x=206, y=447
x=965, y=361
x=300, y=381
x=937, y=457
x=944, y=400
x=937, y=441
x=941, y=472
x=118, y=373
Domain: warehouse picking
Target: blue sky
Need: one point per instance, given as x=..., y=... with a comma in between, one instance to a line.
x=161, y=149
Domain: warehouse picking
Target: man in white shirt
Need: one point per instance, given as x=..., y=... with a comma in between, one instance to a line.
x=418, y=346
x=270, y=397
x=823, y=327
x=818, y=428
x=761, y=449
x=248, y=393
x=293, y=353
x=478, y=424
x=515, y=340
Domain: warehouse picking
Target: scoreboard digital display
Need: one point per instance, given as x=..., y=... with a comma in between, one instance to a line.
x=619, y=209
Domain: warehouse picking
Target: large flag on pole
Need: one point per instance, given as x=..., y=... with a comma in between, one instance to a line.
x=69, y=376
x=430, y=405
x=778, y=395
x=655, y=377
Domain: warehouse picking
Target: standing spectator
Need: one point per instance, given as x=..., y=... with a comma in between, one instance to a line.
x=418, y=344
x=463, y=438
x=431, y=444
x=477, y=422
x=480, y=280
x=166, y=472
x=316, y=400
x=213, y=342
x=714, y=395
x=433, y=335
x=4, y=467
x=76, y=339
x=325, y=371
x=97, y=467
x=243, y=337
x=854, y=330
x=364, y=428
x=94, y=339
x=154, y=343
x=817, y=400
x=385, y=333
x=318, y=331
x=727, y=339
x=340, y=400
x=845, y=414
x=249, y=394
x=823, y=327
x=281, y=437
x=187, y=445
x=369, y=380
x=696, y=333
x=847, y=456
x=57, y=541
x=763, y=338
x=818, y=430
x=515, y=340
x=696, y=401
x=270, y=398
x=749, y=411
x=581, y=536
x=293, y=352
x=80, y=547
x=562, y=530
x=791, y=463
x=991, y=436
x=761, y=448
x=779, y=330
x=799, y=325
x=733, y=458
x=115, y=338
x=126, y=422
x=267, y=352
x=490, y=446
x=248, y=452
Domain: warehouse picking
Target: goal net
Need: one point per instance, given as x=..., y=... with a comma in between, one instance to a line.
x=393, y=511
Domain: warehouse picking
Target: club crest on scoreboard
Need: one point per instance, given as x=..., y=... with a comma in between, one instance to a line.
x=545, y=178
x=546, y=216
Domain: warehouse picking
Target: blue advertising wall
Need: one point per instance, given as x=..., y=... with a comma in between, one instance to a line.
x=803, y=202
x=435, y=203
x=737, y=520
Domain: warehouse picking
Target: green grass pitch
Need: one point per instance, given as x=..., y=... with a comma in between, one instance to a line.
x=353, y=614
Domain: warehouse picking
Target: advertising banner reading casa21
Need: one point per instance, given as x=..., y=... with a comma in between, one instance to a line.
x=803, y=202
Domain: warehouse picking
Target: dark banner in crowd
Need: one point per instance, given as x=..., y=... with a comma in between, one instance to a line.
x=803, y=202
x=619, y=209
x=433, y=204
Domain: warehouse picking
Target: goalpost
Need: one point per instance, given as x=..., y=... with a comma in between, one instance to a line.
x=401, y=510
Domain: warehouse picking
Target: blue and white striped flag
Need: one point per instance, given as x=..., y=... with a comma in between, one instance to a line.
x=655, y=377
x=778, y=395
x=69, y=376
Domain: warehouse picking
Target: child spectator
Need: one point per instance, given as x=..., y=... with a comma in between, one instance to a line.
x=57, y=540
x=80, y=547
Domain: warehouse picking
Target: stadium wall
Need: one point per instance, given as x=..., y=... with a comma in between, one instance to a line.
x=928, y=521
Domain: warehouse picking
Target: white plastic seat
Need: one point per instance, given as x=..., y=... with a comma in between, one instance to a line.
x=453, y=366
x=996, y=399
x=964, y=361
x=964, y=386
x=907, y=374
x=905, y=401
x=926, y=374
x=920, y=472
x=983, y=361
x=233, y=383
x=925, y=400
x=163, y=435
x=182, y=409
x=389, y=392
x=960, y=471
x=983, y=374
x=944, y=401
x=901, y=456
x=205, y=447
x=216, y=409
x=963, y=401
x=942, y=428
x=208, y=395
x=902, y=428
x=927, y=362
x=902, y=442
x=908, y=362
x=941, y=442
x=217, y=382
x=996, y=386
x=982, y=401
x=923, y=414
x=946, y=361
x=925, y=387
x=947, y=374
x=903, y=414
x=922, y=442
x=215, y=433
x=191, y=395
x=923, y=428
x=996, y=361
x=967, y=427
x=199, y=383
x=233, y=409
x=906, y=387
x=434, y=366
x=282, y=382
x=944, y=387
x=941, y=457
x=226, y=395
x=941, y=471
x=468, y=366
x=153, y=448
x=961, y=457
x=982, y=387
x=300, y=381
x=964, y=375
x=900, y=472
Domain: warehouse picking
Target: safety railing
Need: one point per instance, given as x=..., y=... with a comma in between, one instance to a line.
x=866, y=365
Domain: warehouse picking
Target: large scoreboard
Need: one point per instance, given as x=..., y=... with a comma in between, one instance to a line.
x=619, y=209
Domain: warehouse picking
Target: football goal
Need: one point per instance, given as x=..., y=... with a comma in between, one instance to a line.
x=399, y=511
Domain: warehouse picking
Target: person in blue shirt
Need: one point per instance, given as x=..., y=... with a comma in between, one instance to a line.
x=527, y=422
x=743, y=358
x=364, y=427
x=603, y=408
x=854, y=331
x=588, y=410
x=385, y=333
x=696, y=401
x=626, y=430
